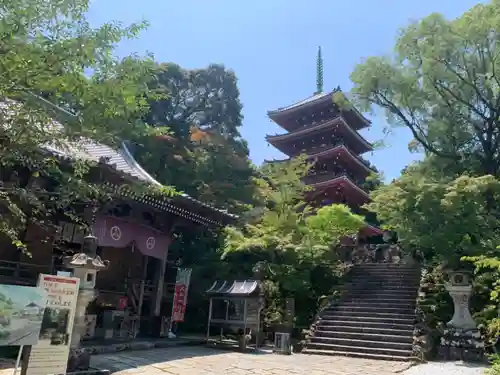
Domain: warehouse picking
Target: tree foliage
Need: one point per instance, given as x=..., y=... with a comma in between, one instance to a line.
x=442, y=83
x=51, y=55
x=445, y=218
x=294, y=240
x=204, y=154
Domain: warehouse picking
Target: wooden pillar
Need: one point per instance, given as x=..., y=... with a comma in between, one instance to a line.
x=160, y=282
x=143, y=280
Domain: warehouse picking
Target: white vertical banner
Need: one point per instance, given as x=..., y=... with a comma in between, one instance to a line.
x=50, y=355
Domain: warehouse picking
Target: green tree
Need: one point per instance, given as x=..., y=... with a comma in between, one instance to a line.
x=442, y=83
x=204, y=155
x=294, y=240
x=51, y=55
x=445, y=218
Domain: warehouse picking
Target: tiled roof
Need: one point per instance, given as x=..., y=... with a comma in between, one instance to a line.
x=121, y=159
x=355, y=157
x=243, y=288
x=313, y=98
x=314, y=128
x=302, y=102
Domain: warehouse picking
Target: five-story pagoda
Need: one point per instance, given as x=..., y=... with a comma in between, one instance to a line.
x=329, y=136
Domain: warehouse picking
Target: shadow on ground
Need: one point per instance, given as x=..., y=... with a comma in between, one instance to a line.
x=209, y=361
x=121, y=361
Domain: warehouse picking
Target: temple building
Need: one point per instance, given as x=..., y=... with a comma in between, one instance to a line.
x=134, y=233
x=330, y=138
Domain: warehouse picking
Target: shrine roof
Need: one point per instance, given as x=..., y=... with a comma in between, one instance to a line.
x=303, y=102
x=243, y=288
x=120, y=159
x=311, y=100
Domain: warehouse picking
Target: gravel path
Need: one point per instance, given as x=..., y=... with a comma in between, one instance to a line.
x=446, y=368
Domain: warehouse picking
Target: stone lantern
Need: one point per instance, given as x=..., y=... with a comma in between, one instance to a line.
x=84, y=265
x=460, y=289
x=461, y=339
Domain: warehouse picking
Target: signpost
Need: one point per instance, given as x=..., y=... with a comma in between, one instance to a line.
x=50, y=355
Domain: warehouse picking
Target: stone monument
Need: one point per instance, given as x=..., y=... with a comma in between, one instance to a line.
x=85, y=266
x=461, y=338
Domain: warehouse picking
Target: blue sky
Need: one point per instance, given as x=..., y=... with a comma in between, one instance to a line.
x=272, y=44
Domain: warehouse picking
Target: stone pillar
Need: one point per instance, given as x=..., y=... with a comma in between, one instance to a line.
x=85, y=296
x=461, y=339
x=461, y=316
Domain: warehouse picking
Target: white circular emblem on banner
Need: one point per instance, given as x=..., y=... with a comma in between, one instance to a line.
x=116, y=233
x=150, y=243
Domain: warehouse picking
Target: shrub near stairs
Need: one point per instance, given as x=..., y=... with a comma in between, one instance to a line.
x=434, y=306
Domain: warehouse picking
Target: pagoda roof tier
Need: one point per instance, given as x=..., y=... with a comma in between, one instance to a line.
x=358, y=144
x=368, y=230
x=336, y=187
x=340, y=151
x=371, y=230
x=283, y=115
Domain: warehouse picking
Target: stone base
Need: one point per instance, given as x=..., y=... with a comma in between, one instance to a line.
x=79, y=360
x=460, y=344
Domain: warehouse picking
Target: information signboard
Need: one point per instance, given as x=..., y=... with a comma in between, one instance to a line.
x=50, y=355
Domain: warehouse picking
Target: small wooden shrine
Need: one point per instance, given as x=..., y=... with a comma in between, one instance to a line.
x=235, y=311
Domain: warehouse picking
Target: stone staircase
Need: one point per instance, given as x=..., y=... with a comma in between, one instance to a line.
x=375, y=317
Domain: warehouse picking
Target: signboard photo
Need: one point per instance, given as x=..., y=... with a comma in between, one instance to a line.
x=21, y=314
x=50, y=355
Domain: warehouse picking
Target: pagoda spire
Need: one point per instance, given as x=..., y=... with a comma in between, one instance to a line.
x=319, y=72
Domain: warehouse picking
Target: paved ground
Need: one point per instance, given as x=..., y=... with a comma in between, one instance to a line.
x=204, y=361
x=446, y=368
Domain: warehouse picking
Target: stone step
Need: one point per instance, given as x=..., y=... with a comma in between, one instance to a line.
x=371, y=285
x=360, y=349
x=392, y=271
x=375, y=318
x=384, y=273
x=369, y=321
x=407, y=299
x=382, y=301
x=359, y=342
x=382, y=357
x=368, y=277
x=386, y=282
x=385, y=276
x=369, y=328
x=386, y=266
x=380, y=306
x=382, y=293
x=364, y=336
x=369, y=309
x=367, y=314
x=396, y=303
